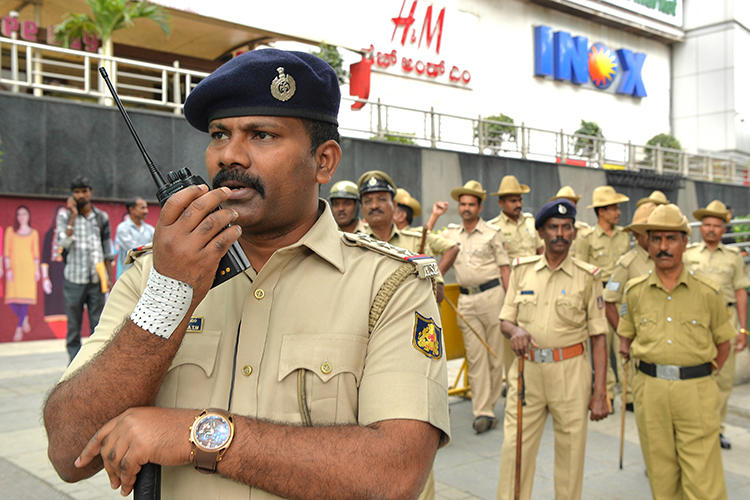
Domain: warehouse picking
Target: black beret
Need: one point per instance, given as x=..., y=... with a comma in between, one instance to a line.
x=561, y=208
x=266, y=82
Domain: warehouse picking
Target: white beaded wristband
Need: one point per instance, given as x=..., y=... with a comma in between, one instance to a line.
x=163, y=304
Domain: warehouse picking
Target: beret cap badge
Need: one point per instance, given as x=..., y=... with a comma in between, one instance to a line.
x=561, y=208
x=283, y=86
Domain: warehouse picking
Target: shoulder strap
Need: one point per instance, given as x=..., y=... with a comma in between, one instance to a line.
x=387, y=289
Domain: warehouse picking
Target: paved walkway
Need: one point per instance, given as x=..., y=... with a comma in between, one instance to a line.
x=466, y=469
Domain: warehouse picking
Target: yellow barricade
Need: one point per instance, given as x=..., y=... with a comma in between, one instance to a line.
x=454, y=341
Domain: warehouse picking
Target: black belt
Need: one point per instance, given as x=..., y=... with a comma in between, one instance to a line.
x=731, y=304
x=481, y=288
x=674, y=372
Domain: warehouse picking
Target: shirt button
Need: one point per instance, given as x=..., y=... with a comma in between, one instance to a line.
x=259, y=294
x=694, y=322
x=669, y=341
x=669, y=297
x=669, y=319
x=247, y=370
x=325, y=368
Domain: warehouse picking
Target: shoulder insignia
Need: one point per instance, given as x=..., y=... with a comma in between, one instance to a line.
x=525, y=260
x=706, y=280
x=634, y=281
x=427, y=337
x=137, y=252
x=589, y=268
x=426, y=266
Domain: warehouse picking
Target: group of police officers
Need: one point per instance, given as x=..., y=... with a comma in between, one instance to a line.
x=679, y=309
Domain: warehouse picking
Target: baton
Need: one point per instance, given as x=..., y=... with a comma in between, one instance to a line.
x=422, y=241
x=521, y=396
x=622, y=417
x=148, y=483
x=484, y=343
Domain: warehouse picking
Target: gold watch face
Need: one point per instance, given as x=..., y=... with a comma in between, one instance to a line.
x=211, y=432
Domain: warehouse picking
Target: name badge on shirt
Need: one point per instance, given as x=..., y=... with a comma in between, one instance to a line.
x=427, y=337
x=527, y=292
x=195, y=325
x=613, y=286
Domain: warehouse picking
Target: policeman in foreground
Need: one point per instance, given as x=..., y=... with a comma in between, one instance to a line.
x=521, y=239
x=254, y=389
x=553, y=306
x=344, y=199
x=724, y=264
x=482, y=271
x=675, y=325
x=635, y=262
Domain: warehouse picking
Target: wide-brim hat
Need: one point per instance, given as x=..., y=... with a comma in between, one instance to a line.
x=403, y=197
x=567, y=193
x=510, y=185
x=375, y=181
x=472, y=187
x=656, y=197
x=664, y=218
x=641, y=216
x=714, y=209
x=605, y=196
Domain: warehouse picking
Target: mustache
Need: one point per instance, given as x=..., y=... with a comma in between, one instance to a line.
x=375, y=211
x=663, y=253
x=560, y=240
x=250, y=181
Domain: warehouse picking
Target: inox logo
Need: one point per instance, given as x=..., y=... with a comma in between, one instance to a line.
x=570, y=58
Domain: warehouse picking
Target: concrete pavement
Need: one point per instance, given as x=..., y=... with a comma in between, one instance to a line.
x=465, y=469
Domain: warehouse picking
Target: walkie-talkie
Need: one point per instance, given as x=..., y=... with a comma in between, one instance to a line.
x=234, y=261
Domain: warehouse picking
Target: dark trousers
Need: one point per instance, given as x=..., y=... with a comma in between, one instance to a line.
x=76, y=296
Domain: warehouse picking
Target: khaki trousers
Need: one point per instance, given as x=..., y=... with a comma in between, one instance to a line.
x=485, y=371
x=679, y=430
x=725, y=376
x=562, y=389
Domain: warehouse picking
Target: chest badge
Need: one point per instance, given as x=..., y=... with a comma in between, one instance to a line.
x=427, y=337
x=195, y=325
x=283, y=86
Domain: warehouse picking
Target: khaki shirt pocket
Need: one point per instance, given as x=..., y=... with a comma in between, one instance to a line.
x=198, y=349
x=333, y=366
x=189, y=382
x=599, y=254
x=570, y=311
x=526, y=307
x=697, y=332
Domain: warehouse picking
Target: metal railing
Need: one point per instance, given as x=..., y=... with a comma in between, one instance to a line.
x=49, y=70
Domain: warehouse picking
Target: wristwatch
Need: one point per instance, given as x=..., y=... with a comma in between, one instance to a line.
x=743, y=330
x=211, y=434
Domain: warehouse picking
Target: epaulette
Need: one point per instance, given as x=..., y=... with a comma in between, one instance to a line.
x=494, y=227
x=414, y=232
x=732, y=249
x=453, y=225
x=694, y=244
x=518, y=261
x=634, y=281
x=137, y=252
x=426, y=266
x=582, y=226
x=705, y=279
x=626, y=258
x=528, y=214
x=589, y=268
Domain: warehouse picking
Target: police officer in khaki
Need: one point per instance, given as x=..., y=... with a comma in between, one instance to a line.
x=377, y=192
x=581, y=227
x=553, y=306
x=482, y=271
x=602, y=246
x=344, y=198
x=725, y=266
x=674, y=323
x=636, y=262
x=521, y=239
x=256, y=388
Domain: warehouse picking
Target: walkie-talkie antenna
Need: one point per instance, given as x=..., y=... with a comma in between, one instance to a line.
x=158, y=179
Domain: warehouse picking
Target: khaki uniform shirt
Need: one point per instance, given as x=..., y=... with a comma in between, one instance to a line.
x=435, y=242
x=521, y=238
x=411, y=239
x=601, y=250
x=723, y=265
x=634, y=263
x=559, y=307
x=679, y=327
x=482, y=253
x=581, y=230
x=307, y=309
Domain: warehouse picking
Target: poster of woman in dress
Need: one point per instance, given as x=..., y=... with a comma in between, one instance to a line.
x=22, y=272
x=52, y=279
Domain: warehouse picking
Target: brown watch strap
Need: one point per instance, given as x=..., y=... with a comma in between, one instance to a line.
x=206, y=461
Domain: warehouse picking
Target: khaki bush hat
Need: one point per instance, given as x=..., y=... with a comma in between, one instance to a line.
x=510, y=185
x=714, y=209
x=664, y=218
x=567, y=193
x=472, y=187
x=403, y=197
x=641, y=216
x=656, y=197
x=605, y=196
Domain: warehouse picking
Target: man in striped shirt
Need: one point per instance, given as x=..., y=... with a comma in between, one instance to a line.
x=84, y=236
